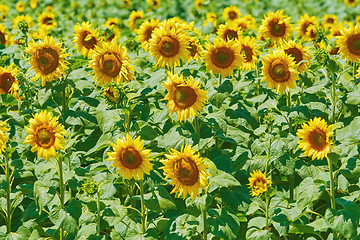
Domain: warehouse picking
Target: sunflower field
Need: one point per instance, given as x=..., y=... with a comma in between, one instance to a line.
x=179, y=119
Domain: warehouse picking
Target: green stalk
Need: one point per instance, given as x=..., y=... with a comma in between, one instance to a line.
x=288, y=95
x=332, y=187
x=267, y=201
x=204, y=221
x=354, y=69
x=143, y=210
x=333, y=98
x=258, y=80
x=98, y=214
x=291, y=178
x=220, y=80
x=8, y=199
x=62, y=192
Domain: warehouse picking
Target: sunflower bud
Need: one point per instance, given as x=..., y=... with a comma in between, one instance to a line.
x=322, y=56
x=132, y=44
x=89, y=187
x=20, y=77
x=269, y=120
x=23, y=26
x=113, y=95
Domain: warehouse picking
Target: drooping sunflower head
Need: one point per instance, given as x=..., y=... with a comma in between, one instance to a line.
x=109, y=63
x=250, y=51
x=229, y=31
x=258, y=183
x=222, y=57
x=231, y=13
x=184, y=97
x=4, y=38
x=303, y=24
x=46, y=135
x=279, y=70
x=312, y=33
x=47, y=59
x=315, y=138
x=349, y=43
x=130, y=158
x=168, y=44
x=8, y=81
x=47, y=20
x=276, y=26
x=187, y=171
x=145, y=32
x=20, y=18
x=298, y=52
x=112, y=22
x=112, y=94
x=195, y=49
x=86, y=38
x=134, y=17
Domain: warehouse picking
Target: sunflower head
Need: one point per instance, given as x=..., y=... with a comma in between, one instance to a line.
x=298, y=53
x=86, y=38
x=153, y=4
x=276, y=26
x=4, y=38
x=187, y=171
x=134, y=18
x=250, y=52
x=231, y=13
x=25, y=18
x=303, y=24
x=229, y=31
x=279, y=70
x=8, y=81
x=223, y=57
x=184, y=97
x=349, y=43
x=195, y=49
x=315, y=138
x=33, y=3
x=47, y=59
x=20, y=6
x=46, y=135
x=145, y=32
x=350, y=3
x=130, y=158
x=258, y=183
x=47, y=20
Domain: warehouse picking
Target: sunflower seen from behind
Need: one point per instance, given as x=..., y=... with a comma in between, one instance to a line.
x=315, y=138
x=86, y=38
x=130, y=158
x=47, y=59
x=276, y=26
x=168, y=44
x=46, y=135
x=8, y=81
x=110, y=62
x=187, y=171
x=222, y=57
x=185, y=97
x=279, y=71
x=349, y=43
x=258, y=183
x=250, y=51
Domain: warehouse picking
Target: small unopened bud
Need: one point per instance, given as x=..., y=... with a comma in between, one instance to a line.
x=23, y=26
x=322, y=56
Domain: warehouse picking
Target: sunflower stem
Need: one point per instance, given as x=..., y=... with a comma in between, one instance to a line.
x=143, y=210
x=333, y=98
x=62, y=191
x=354, y=69
x=204, y=221
x=98, y=219
x=291, y=178
x=220, y=79
x=258, y=80
x=267, y=211
x=8, y=177
x=332, y=188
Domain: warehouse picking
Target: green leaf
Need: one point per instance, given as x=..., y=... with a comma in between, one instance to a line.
x=352, y=131
x=225, y=224
x=159, y=200
x=351, y=168
x=353, y=97
x=222, y=179
x=300, y=228
x=43, y=194
x=309, y=191
x=77, y=63
x=62, y=219
x=8, y=99
x=148, y=133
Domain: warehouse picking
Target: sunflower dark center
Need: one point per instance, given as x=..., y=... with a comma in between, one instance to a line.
x=295, y=53
x=186, y=171
x=110, y=64
x=247, y=52
x=279, y=71
x=230, y=34
x=277, y=28
x=6, y=81
x=184, y=96
x=130, y=158
x=192, y=49
x=232, y=15
x=353, y=44
x=169, y=46
x=48, y=60
x=45, y=137
x=48, y=21
x=223, y=57
x=317, y=139
x=148, y=33
x=2, y=38
x=89, y=41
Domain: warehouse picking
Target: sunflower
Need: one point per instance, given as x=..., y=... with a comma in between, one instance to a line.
x=168, y=44
x=350, y=3
x=86, y=38
x=199, y=3
x=312, y=33
x=4, y=38
x=33, y=3
x=279, y=70
x=298, y=52
x=46, y=135
x=250, y=50
x=258, y=183
x=335, y=30
x=223, y=57
x=47, y=59
x=303, y=24
x=315, y=138
x=8, y=82
x=25, y=18
x=47, y=21
x=126, y=3
x=241, y=24
x=329, y=20
x=229, y=31
x=195, y=49
x=112, y=95
x=231, y=13
x=153, y=4
x=211, y=18
x=187, y=171
x=130, y=157
x=184, y=97
x=4, y=135
x=109, y=63
x=20, y=6
x=276, y=26
x=145, y=32
x=349, y=43
x=251, y=20
x=112, y=22
x=4, y=10
x=40, y=34
x=134, y=17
